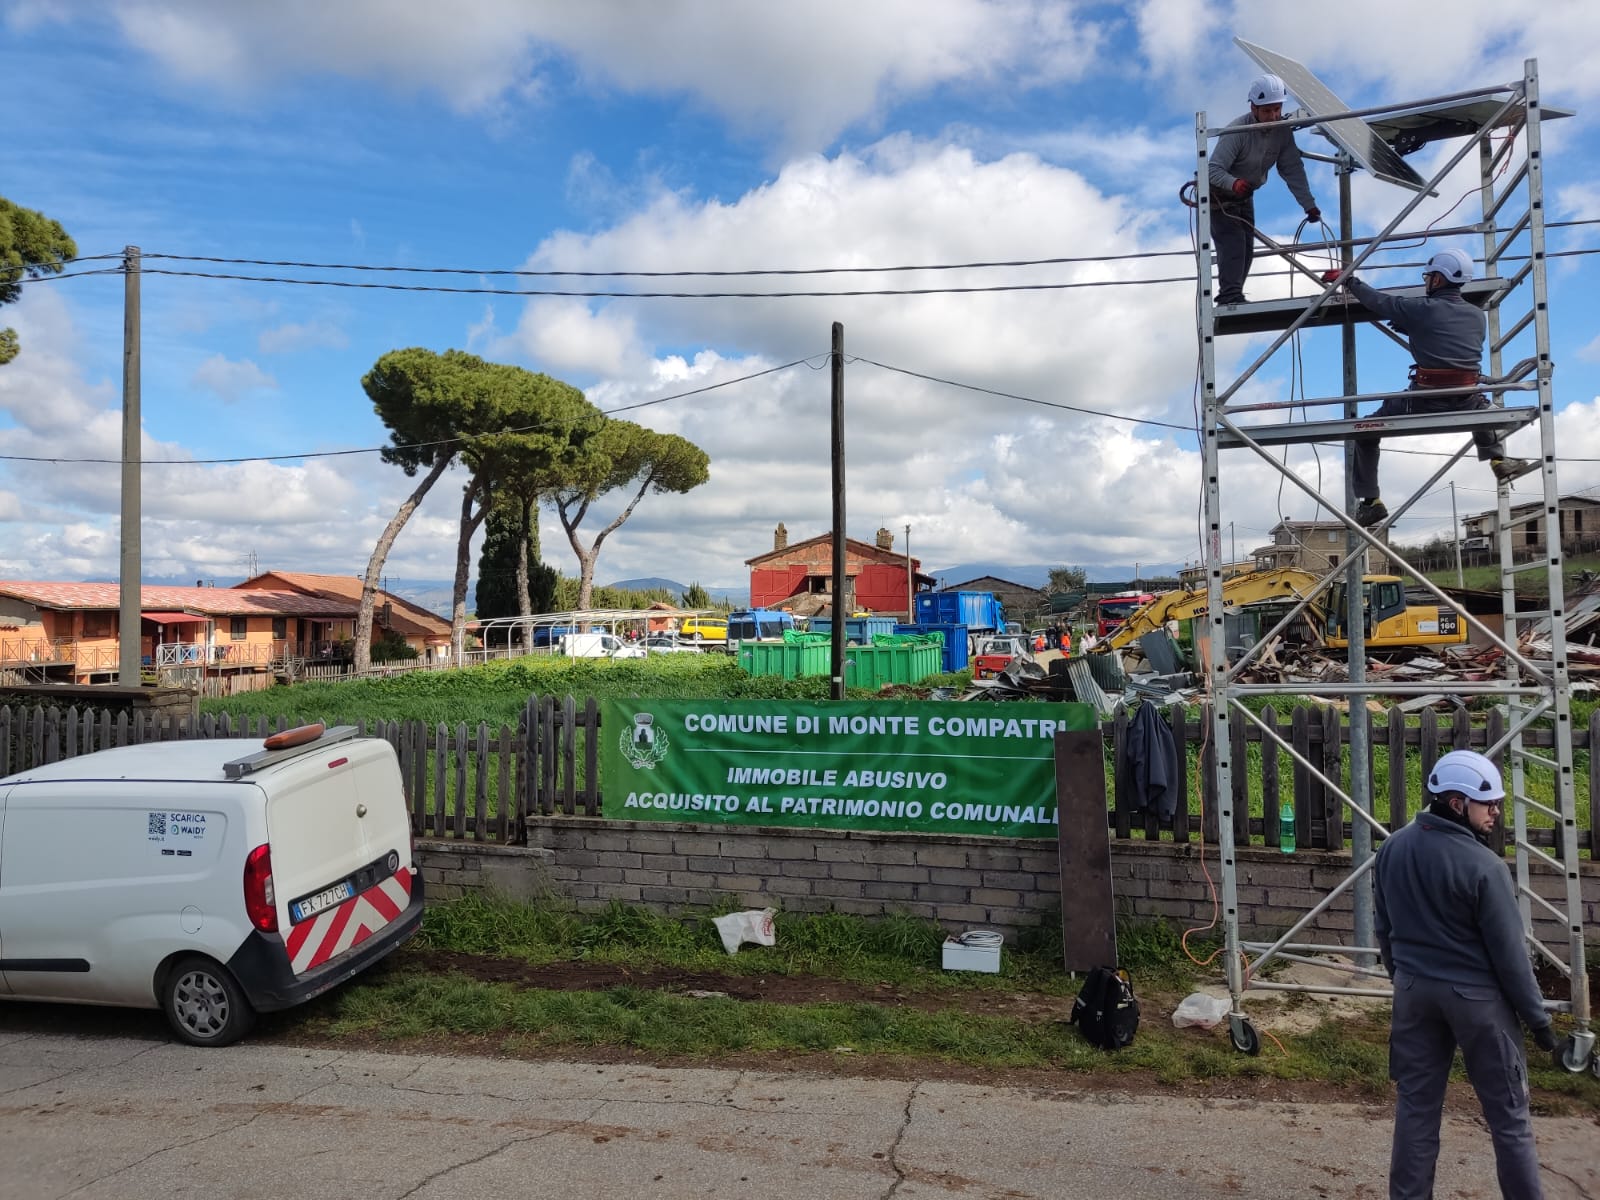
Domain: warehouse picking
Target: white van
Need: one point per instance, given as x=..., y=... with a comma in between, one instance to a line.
x=210, y=879
x=598, y=645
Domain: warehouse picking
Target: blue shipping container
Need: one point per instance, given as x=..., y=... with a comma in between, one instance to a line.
x=956, y=654
x=975, y=610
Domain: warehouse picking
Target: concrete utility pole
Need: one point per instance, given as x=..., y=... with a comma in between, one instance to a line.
x=841, y=582
x=1455, y=535
x=128, y=595
x=911, y=587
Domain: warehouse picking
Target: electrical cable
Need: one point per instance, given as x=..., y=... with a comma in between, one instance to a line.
x=618, y=295
x=972, y=387
x=633, y=274
x=456, y=441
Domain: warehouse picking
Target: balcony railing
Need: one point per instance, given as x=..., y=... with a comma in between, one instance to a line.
x=37, y=649
x=170, y=655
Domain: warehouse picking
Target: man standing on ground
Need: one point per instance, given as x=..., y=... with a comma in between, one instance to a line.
x=1238, y=167
x=1446, y=334
x=1451, y=939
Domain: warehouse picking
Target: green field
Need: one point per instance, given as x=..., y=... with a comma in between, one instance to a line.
x=496, y=692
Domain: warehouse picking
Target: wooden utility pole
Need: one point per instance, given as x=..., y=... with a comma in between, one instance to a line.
x=841, y=608
x=128, y=595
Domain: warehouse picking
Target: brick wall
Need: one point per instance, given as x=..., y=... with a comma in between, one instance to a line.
x=961, y=882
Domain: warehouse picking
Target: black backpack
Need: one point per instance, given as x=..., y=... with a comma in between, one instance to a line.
x=1105, y=1010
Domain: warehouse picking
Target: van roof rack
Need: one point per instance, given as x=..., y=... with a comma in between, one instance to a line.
x=240, y=767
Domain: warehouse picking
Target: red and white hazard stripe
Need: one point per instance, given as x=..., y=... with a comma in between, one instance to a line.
x=328, y=934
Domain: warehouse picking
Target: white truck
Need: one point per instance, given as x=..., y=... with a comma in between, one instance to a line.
x=213, y=879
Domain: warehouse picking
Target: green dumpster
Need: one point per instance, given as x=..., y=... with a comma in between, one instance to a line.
x=789, y=660
x=879, y=666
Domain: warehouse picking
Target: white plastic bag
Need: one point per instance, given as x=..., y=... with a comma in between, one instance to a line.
x=752, y=925
x=1202, y=1010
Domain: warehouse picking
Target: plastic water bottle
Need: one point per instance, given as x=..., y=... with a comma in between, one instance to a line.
x=1286, y=827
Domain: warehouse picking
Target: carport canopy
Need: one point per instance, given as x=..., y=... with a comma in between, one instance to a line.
x=174, y=618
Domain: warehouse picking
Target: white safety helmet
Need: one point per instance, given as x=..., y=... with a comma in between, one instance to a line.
x=1266, y=89
x=1454, y=265
x=1467, y=772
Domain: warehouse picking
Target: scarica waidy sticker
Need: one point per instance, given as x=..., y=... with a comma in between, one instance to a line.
x=169, y=826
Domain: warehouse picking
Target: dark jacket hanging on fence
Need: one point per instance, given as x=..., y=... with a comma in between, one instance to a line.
x=1153, y=766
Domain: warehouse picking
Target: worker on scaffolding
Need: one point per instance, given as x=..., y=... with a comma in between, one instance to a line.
x=1238, y=167
x=1450, y=936
x=1446, y=334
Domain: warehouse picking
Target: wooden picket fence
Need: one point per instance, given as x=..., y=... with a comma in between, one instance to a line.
x=481, y=784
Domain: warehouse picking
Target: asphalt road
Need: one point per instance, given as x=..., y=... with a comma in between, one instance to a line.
x=93, y=1116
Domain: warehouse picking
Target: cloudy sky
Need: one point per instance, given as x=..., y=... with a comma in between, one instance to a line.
x=701, y=136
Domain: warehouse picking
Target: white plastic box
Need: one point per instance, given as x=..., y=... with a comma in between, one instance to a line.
x=960, y=957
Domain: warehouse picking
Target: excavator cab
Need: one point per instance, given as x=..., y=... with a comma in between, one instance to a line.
x=1393, y=619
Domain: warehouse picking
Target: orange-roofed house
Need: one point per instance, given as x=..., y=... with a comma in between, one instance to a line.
x=70, y=631
x=425, y=632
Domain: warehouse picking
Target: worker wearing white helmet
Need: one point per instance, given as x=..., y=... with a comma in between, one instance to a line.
x=1239, y=166
x=1446, y=334
x=1450, y=936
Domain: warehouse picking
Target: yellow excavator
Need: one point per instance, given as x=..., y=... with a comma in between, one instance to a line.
x=1394, y=619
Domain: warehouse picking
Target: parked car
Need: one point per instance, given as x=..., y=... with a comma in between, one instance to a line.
x=212, y=879
x=666, y=643
x=703, y=629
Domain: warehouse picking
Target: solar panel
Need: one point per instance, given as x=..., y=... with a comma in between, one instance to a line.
x=1351, y=134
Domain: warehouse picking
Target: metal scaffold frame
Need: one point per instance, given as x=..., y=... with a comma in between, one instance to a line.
x=1511, y=111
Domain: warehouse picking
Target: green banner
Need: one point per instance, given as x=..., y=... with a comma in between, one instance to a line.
x=916, y=765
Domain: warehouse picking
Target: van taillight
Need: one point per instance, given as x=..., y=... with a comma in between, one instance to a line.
x=260, y=900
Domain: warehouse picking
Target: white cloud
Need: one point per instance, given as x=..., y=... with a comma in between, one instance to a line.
x=232, y=381
x=974, y=474
x=1403, y=52
x=756, y=65
x=302, y=335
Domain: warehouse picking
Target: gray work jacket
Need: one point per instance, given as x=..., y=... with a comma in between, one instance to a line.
x=1251, y=153
x=1444, y=330
x=1446, y=911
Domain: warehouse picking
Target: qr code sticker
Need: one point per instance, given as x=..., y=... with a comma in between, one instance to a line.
x=158, y=825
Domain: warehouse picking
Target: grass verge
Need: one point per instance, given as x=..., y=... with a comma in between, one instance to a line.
x=1013, y=1020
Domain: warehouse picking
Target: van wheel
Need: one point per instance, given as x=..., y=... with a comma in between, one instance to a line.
x=204, y=1005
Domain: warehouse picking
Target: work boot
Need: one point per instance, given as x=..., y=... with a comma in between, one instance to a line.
x=1507, y=469
x=1371, y=512
x=1230, y=298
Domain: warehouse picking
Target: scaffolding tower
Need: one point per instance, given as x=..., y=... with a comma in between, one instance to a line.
x=1512, y=290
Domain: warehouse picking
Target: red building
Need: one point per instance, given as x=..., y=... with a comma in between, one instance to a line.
x=800, y=577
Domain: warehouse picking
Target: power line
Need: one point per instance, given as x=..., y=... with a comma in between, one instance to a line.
x=457, y=441
x=532, y=273
x=619, y=295
x=569, y=293
x=972, y=387
x=528, y=273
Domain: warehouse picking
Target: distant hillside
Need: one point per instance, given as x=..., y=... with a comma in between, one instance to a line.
x=719, y=595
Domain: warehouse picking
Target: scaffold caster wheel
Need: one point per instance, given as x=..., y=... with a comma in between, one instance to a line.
x=1572, y=1058
x=1243, y=1035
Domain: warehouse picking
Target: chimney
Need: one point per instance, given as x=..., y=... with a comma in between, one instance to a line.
x=885, y=540
x=780, y=537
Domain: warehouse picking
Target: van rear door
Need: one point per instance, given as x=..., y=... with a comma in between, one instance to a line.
x=341, y=856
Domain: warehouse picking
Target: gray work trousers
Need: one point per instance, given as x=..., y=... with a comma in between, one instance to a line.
x=1430, y=1020
x=1364, y=465
x=1233, y=234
